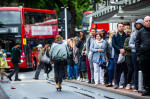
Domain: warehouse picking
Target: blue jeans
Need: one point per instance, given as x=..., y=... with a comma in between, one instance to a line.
x=76, y=71
x=111, y=70
x=136, y=69
x=71, y=72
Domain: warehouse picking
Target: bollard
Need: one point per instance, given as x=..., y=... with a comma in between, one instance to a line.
x=140, y=81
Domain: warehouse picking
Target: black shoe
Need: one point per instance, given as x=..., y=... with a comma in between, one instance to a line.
x=89, y=81
x=109, y=85
x=36, y=78
x=92, y=81
x=18, y=79
x=145, y=93
x=9, y=78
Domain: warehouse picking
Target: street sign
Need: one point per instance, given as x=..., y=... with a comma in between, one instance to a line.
x=24, y=41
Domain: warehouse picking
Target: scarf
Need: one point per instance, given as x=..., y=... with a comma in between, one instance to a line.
x=99, y=42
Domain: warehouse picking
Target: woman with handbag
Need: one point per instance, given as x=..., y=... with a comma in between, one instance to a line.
x=47, y=65
x=98, y=47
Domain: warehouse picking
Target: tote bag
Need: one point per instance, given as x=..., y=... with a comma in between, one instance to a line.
x=45, y=59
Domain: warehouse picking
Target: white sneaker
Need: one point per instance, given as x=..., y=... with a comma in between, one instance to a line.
x=120, y=87
x=96, y=84
x=128, y=87
x=135, y=90
x=78, y=79
x=45, y=76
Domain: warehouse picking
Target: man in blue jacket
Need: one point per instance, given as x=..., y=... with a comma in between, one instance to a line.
x=118, y=42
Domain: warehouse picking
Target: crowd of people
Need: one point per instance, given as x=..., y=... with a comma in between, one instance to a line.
x=98, y=58
x=114, y=59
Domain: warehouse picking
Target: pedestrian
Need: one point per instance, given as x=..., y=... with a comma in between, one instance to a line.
x=75, y=57
x=47, y=66
x=142, y=45
x=128, y=60
x=80, y=44
x=83, y=67
x=15, y=59
x=89, y=41
x=87, y=63
x=138, y=25
x=98, y=48
x=70, y=62
x=117, y=43
x=110, y=55
x=104, y=34
x=3, y=64
x=126, y=26
x=58, y=54
x=40, y=63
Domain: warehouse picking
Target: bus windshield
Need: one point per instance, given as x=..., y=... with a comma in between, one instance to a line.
x=86, y=19
x=10, y=17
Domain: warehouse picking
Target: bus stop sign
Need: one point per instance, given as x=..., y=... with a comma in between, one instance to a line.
x=24, y=41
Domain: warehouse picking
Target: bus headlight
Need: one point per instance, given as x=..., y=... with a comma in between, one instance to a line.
x=22, y=60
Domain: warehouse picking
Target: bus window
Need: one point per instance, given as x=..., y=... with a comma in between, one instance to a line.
x=34, y=43
x=38, y=18
x=49, y=40
x=42, y=42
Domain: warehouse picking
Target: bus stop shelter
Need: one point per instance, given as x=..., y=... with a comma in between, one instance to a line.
x=121, y=11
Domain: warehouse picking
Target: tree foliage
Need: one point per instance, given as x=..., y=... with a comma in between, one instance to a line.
x=76, y=7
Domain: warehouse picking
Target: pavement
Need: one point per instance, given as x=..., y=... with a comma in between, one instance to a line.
x=124, y=92
x=72, y=89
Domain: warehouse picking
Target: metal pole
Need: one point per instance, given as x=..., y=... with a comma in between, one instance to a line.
x=66, y=29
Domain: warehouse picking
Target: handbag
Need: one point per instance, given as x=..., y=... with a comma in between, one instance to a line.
x=90, y=55
x=45, y=58
x=103, y=63
x=121, y=58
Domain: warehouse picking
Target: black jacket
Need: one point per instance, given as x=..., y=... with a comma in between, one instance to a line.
x=118, y=41
x=80, y=45
x=142, y=42
x=15, y=56
x=70, y=59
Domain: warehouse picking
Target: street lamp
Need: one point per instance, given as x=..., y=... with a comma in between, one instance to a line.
x=66, y=29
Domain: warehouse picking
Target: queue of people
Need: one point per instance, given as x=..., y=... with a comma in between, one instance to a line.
x=101, y=55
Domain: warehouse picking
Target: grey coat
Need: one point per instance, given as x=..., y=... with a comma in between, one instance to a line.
x=133, y=36
x=97, y=55
x=88, y=43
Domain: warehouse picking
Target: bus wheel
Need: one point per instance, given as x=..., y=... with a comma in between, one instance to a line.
x=34, y=64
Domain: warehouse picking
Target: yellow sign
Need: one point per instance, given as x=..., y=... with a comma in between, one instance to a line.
x=24, y=41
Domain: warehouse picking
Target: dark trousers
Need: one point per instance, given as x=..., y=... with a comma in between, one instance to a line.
x=15, y=71
x=59, y=70
x=47, y=68
x=130, y=68
x=136, y=69
x=119, y=68
x=144, y=61
x=38, y=70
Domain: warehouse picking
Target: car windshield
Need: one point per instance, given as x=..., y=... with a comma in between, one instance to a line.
x=10, y=17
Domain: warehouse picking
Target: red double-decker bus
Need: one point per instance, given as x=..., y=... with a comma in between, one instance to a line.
x=28, y=26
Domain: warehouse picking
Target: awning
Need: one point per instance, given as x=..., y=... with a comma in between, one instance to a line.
x=125, y=10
